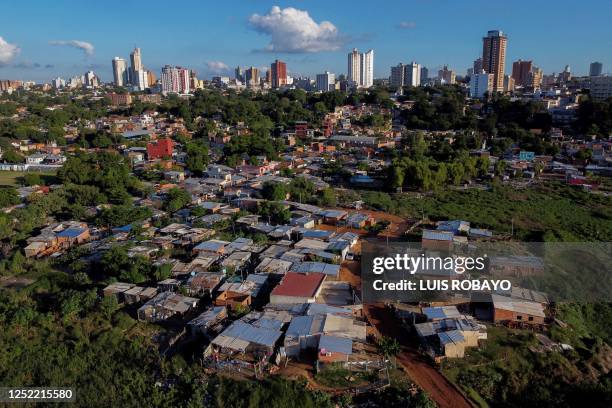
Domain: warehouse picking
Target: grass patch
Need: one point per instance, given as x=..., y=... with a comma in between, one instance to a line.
x=14, y=178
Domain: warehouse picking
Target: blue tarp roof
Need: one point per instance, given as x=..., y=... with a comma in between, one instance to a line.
x=71, y=232
x=335, y=344
x=125, y=228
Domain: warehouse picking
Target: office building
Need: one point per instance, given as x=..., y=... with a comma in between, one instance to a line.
x=278, y=74
x=424, y=75
x=595, y=69
x=120, y=72
x=136, y=60
x=447, y=76
x=477, y=66
x=535, y=78
x=91, y=79
x=508, y=84
x=151, y=78
x=494, y=57
x=481, y=84
x=251, y=76
x=326, y=82
x=601, y=87
x=238, y=74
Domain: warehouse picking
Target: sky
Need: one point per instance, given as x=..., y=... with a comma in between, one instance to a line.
x=42, y=40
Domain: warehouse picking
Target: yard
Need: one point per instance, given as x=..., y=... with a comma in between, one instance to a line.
x=12, y=178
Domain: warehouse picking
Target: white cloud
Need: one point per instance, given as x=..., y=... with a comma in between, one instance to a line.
x=294, y=31
x=407, y=25
x=86, y=47
x=217, y=67
x=7, y=51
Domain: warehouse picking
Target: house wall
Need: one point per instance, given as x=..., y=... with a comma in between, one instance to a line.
x=333, y=357
x=500, y=315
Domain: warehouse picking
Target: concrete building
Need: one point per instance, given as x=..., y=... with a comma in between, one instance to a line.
x=58, y=83
x=595, y=69
x=252, y=76
x=120, y=72
x=601, y=87
x=406, y=75
x=481, y=84
x=521, y=70
x=278, y=74
x=447, y=76
x=360, y=69
x=175, y=80
x=326, y=82
x=494, y=57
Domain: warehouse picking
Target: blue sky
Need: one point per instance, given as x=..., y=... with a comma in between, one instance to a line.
x=41, y=40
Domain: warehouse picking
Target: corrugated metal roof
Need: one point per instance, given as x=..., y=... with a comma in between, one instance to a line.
x=300, y=325
x=335, y=344
x=452, y=336
x=71, y=232
x=437, y=235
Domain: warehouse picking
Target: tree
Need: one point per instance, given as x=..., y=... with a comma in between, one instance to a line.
x=388, y=346
x=197, y=157
x=274, y=191
x=8, y=197
x=328, y=197
x=176, y=199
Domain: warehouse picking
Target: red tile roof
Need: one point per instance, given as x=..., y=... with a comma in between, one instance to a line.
x=299, y=284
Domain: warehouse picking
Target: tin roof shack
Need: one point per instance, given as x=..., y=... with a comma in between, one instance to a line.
x=117, y=289
x=437, y=240
x=242, y=293
x=203, y=284
x=359, y=220
x=165, y=305
x=298, y=288
x=139, y=294
x=333, y=217
x=331, y=271
x=211, y=247
x=209, y=322
x=334, y=349
x=273, y=266
x=516, y=266
x=247, y=339
x=507, y=310
x=236, y=262
x=448, y=333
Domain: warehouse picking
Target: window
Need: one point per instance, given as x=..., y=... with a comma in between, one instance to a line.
x=530, y=318
x=519, y=317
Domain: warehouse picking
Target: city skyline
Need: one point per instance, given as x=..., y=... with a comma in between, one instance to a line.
x=255, y=34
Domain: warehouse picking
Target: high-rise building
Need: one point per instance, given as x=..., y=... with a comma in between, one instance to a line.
x=521, y=71
x=412, y=74
x=481, y=84
x=326, y=82
x=494, y=57
x=151, y=78
x=397, y=75
x=58, y=83
x=175, y=80
x=535, y=78
x=477, y=66
x=447, y=76
x=595, y=68
x=367, y=69
x=360, y=69
x=508, y=83
x=601, y=87
x=424, y=75
x=278, y=73
x=566, y=75
x=238, y=74
x=91, y=79
x=120, y=72
x=251, y=76
x=406, y=75
x=354, y=67
x=136, y=60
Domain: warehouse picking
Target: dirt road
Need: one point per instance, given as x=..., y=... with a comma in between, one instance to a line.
x=420, y=370
x=439, y=388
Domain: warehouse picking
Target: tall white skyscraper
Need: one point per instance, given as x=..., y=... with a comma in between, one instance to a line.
x=412, y=74
x=326, y=82
x=120, y=71
x=367, y=69
x=361, y=68
x=354, y=66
